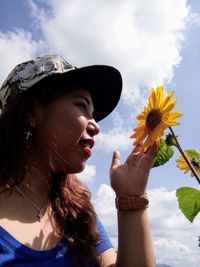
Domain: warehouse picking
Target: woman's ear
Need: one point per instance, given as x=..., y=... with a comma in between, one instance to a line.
x=31, y=120
x=34, y=115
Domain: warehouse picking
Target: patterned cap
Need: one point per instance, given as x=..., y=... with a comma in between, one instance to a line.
x=103, y=82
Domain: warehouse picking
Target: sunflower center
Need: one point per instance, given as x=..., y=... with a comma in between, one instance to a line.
x=195, y=162
x=153, y=119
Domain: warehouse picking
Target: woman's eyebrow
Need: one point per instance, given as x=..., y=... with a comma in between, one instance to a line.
x=84, y=97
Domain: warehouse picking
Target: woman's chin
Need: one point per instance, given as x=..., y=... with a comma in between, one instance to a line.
x=75, y=169
x=81, y=167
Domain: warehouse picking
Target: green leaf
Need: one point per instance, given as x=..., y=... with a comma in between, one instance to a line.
x=164, y=153
x=189, y=201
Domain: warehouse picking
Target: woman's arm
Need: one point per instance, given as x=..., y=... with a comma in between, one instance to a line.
x=135, y=247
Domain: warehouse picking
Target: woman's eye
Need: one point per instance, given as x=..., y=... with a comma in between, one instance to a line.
x=83, y=106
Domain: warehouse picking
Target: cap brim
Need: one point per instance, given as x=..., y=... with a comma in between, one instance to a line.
x=104, y=84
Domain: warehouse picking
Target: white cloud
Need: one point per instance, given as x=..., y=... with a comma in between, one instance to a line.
x=173, y=233
x=88, y=174
x=175, y=238
x=16, y=47
x=194, y=18
x=117, y=138
x=142, y=38
x=104, y=204
x=113, y=140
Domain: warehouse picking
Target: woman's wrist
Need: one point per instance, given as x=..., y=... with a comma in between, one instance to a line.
x=131, y=202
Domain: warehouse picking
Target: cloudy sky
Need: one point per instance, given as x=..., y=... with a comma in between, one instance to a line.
x=152, y=43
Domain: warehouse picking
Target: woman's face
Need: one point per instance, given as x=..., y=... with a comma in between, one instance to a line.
x=65, y=131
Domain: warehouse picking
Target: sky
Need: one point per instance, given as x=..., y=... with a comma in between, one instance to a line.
x=152, y=43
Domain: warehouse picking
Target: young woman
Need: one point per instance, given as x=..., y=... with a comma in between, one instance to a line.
x=48, y=121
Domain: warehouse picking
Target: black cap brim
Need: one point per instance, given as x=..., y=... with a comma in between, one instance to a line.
x=104, y=84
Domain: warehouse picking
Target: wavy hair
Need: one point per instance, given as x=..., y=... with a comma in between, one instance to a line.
x=70, y=200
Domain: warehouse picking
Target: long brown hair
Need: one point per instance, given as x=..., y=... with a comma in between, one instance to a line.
x=70, y=199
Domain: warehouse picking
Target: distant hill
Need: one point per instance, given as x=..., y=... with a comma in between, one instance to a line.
x=162, y=265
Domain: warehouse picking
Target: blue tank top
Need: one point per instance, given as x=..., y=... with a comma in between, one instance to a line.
x=15, y=254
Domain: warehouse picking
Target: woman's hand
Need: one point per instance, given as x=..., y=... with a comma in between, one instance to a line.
x=131, y=177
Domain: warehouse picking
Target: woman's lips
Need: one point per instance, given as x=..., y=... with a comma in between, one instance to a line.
x=87, y=145
x=88, y=151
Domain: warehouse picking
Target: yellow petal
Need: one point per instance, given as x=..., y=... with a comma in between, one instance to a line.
x=160, y=95
x=166, y=101
x=170, y=106
x=154, y=99
x=141, y=116
x=175, y=114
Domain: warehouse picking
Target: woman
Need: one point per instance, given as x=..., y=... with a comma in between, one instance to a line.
x=48, y=122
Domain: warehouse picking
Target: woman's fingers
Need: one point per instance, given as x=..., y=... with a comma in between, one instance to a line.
x=115, y=160
x=137, y=148
x=153, y=150
x=149, y=156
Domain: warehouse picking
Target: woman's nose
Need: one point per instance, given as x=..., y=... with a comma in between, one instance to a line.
x=93, y=128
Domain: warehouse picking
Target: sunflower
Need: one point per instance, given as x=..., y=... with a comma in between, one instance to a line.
x=155, y=118
x=194, y=158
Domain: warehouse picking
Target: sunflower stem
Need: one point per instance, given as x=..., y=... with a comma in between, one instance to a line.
x=184, y=156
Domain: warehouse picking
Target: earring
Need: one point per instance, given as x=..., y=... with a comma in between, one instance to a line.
x=29, y=133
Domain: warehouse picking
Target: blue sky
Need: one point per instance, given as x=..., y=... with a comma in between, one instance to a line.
x=152, y=43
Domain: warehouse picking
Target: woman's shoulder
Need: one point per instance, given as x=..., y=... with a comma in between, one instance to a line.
x=104, y=242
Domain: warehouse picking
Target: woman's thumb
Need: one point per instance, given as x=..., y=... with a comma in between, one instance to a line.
x=115, y=160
